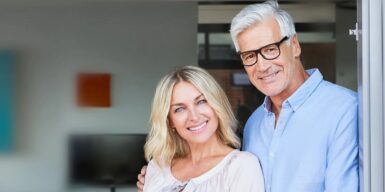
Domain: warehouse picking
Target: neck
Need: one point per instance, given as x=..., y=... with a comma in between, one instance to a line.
x=200, y=151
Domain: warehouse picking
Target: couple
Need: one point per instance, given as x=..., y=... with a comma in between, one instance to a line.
x=304, y=135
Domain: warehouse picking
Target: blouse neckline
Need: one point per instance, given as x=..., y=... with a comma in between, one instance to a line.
x=208, y=174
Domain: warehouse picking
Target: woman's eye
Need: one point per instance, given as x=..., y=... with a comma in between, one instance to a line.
x=202, y=101
x=179, y=109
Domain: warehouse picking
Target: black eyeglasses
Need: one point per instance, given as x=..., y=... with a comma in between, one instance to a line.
x=268, y=52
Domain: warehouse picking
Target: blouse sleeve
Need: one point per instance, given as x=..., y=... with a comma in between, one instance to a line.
x=245, y=174
x=154, y=177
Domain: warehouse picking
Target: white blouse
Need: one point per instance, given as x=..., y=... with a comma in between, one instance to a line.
x=238, y=171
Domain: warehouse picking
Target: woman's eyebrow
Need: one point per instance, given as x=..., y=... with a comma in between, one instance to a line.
x=199, y=96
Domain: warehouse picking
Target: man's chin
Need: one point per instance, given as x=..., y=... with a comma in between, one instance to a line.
x=273, y=94
x=270, y=92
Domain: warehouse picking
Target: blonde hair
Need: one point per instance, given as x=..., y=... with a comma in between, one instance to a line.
x=163, y=144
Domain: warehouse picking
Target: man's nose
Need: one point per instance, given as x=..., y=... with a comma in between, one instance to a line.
x=262, y=64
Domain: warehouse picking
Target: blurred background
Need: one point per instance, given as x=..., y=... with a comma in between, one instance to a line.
x=50, y=143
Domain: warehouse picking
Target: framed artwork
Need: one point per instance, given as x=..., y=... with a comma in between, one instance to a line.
x=6, y=113
x=94, y=90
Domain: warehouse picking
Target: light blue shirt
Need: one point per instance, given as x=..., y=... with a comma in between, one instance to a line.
x=314, y=147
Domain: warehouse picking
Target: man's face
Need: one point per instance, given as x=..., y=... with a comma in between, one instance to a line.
x=277, y=77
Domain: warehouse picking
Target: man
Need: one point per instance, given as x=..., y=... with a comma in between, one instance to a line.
x=305, y=132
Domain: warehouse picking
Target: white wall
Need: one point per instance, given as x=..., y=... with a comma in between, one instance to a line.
x=136, y=42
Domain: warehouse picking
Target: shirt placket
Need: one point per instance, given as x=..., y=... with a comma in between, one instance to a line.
x=275, y=141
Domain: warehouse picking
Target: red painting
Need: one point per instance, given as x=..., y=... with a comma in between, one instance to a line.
x=94, y=90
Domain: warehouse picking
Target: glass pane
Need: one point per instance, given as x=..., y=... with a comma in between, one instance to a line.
x=221, y=47
x=316, y=37
x=201, y=46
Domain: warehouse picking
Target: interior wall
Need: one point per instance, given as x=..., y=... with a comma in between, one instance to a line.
x=136, y=42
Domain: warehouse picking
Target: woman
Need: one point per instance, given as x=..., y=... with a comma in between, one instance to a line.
x=192, y=145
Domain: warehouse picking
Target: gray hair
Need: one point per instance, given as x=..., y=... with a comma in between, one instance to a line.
x=256, y=13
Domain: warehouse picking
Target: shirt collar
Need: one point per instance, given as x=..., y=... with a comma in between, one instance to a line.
x=302, y=93
x=267, y=104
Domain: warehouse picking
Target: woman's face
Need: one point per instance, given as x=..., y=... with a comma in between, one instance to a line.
x=191, y=115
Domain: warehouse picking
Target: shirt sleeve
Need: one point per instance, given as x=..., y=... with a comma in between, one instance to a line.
x=245, y=174
x=342, y=159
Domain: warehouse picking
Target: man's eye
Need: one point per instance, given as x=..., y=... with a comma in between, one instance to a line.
x=270, y=49
x=249, y=56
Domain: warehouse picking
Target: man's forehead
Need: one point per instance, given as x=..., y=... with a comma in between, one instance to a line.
x=265, y=29
x=259, y=35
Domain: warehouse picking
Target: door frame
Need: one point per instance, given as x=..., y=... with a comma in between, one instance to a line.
x=371, y=87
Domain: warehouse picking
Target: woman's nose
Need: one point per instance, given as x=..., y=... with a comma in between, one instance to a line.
x=193, y=115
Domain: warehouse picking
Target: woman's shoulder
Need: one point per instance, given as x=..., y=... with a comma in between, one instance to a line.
x=244, y=163
x=155, y=171
x=244, y=157
x=244, y=173
x=153, y=165
x=155, y=168
x=156, y=176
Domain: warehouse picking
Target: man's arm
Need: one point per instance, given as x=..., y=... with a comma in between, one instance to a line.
x=141, y=176
x=342, y=160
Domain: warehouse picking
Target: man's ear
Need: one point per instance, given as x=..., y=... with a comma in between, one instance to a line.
x=295, y=45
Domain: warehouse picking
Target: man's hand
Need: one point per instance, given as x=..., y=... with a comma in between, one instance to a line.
x=141, y=176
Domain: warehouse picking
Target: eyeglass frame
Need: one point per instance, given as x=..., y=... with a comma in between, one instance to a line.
x=258, y=51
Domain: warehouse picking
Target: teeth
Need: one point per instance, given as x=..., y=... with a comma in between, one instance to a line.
x=269, y=76
x=198, y=127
